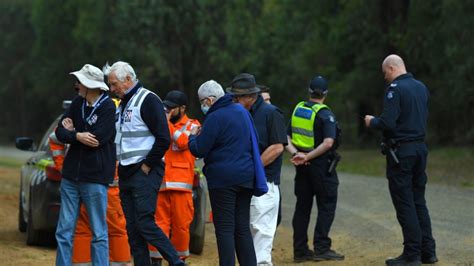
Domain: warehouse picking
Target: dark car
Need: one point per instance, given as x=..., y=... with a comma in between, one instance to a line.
x=39, y=199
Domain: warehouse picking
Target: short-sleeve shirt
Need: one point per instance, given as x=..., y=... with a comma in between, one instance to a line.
x=325, y=125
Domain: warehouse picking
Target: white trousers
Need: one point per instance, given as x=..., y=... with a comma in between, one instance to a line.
x=263, y=222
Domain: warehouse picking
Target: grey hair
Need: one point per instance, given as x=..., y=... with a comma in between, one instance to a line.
x=121, y=70
x=210, y=88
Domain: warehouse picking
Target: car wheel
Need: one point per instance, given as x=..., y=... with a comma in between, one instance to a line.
x=32, y=236
x=197, y=232
x=21, y=218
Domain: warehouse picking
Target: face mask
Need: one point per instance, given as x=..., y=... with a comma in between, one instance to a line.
x=204, y=108
x=175, y=118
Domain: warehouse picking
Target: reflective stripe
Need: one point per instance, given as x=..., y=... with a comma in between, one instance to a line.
x=82, y=264
x=136, y=134
x=182, y=185
x=177, y=134
x=131, y=154
x=53, y=137
x=119, y=263
x=155, y=254
x=58, y=152
x=302, y=131
x=115, y=183
x=183, y=253
x=139, y=97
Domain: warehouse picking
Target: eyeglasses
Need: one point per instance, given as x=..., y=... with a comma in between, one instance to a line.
x=205, y=98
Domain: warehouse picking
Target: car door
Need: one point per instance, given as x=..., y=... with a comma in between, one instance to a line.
x=32, y=173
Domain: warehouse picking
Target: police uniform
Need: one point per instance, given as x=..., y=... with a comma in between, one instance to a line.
x=310, y=124
x=403, y=123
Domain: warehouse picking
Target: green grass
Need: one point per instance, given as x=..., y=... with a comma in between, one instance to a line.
x=10, y=162
x=448, y=165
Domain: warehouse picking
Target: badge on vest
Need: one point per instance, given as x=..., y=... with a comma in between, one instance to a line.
x=127, y=117
x=303, y=113
x=390, y=95
x=92, y=120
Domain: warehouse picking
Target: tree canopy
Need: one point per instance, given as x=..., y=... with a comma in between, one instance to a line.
x=181, y=44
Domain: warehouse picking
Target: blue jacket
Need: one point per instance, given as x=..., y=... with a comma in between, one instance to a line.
x=84, y=163
x=405, y=110
x=225, y=144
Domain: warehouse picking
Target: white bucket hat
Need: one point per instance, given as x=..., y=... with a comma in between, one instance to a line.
x=91, y=77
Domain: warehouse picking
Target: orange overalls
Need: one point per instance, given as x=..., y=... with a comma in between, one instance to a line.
x=174, y=207
x=119, y=250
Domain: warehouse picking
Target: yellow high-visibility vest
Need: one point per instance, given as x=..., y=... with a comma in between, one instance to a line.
x=302, y=121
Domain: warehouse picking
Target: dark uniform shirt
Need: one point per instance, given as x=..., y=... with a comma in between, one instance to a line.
x=270, y=125
x=325, y=126
x=405, y=110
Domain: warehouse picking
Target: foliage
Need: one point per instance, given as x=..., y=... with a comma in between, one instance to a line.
x=181, y=44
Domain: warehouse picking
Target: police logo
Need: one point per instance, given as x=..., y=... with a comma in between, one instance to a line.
x=93, y=119
x=127, y=117
x=390, y=95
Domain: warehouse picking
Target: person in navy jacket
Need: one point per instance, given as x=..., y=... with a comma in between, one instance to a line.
x=224, y=141
x=88, y=126
x=403, y=124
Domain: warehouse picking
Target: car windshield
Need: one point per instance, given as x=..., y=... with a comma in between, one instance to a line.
x=44, y=141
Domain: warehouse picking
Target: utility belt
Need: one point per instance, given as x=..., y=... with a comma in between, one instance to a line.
x=390, y=146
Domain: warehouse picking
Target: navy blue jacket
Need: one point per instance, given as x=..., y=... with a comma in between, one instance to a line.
x=405, y=110
x=225, y=145
x=271, y=130
x=84, y=163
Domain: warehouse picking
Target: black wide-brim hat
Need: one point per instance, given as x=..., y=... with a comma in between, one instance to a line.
x=243, y=84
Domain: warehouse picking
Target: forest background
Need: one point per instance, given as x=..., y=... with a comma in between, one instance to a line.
x=181, y=44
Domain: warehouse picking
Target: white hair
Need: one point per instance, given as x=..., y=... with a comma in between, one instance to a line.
x=121, y=70
x=210, y=88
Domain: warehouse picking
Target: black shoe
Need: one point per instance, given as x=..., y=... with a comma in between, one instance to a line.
x=328, y=255
x=402, y=261
x=429, y=260
x=306, y=256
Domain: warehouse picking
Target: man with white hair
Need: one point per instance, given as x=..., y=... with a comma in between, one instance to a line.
x=89, y=166
x=403, y=123
x=225, y=143
x=142, y=140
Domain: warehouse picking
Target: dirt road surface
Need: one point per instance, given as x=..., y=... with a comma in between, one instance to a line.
x=365, y=228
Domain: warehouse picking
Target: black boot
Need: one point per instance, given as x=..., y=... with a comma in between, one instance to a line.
x=402, y=261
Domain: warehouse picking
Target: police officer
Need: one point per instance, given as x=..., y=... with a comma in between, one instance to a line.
x=312, y=140
x=403, y=123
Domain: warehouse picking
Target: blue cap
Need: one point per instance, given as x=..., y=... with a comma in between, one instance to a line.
x=318, y=83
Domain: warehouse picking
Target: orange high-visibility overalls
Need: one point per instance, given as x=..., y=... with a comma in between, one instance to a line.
x=119, y=250
x=175, y=209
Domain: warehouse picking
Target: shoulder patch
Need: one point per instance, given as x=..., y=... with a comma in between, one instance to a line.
x=331, y=118
x=393, y=85
x=390, y=95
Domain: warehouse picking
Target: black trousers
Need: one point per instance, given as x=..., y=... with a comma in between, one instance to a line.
x=231, y=215
x=407, y=181
x=310, y=181
x=138, y=194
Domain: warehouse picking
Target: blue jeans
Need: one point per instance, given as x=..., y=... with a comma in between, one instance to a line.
x=138, y=194
x=231, y=214
x=94, y=197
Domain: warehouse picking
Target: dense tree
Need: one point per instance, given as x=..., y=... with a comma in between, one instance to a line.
x=180, y=44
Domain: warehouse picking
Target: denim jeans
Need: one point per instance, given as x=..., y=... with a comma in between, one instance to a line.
x=138, y=194
x=231, y=214
x=94, y=197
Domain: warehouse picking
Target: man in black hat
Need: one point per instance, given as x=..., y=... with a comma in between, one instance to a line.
x=270, y=127
x=312, y=141
x=174, y=207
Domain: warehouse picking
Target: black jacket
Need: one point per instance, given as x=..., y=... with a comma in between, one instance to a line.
x=84, y=163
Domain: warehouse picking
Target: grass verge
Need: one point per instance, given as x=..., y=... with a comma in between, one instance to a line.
x=448, y=165
x=9, y=162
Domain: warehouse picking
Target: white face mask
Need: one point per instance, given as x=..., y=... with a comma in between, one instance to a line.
x=204, y=108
